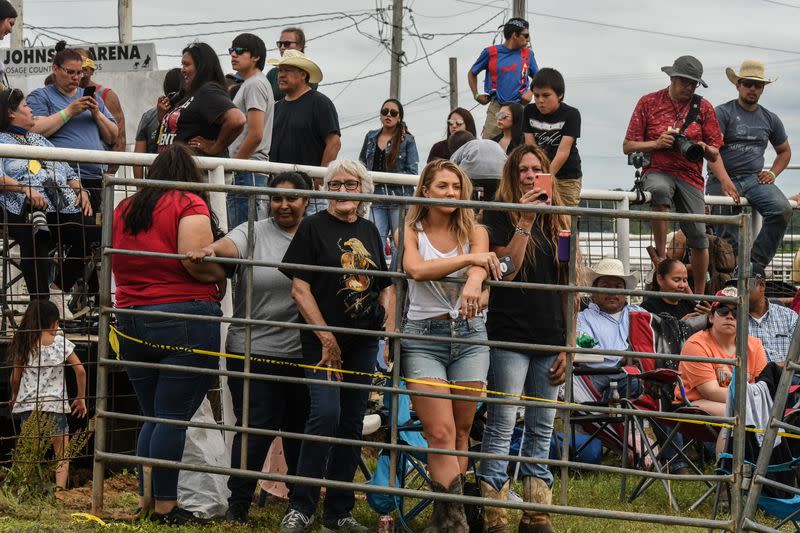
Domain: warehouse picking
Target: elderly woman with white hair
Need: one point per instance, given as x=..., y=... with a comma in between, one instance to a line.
x=340, y=237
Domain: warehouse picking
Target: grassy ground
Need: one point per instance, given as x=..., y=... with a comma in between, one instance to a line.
x=586, y=490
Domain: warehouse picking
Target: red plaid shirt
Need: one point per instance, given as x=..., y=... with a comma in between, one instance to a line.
x=654, y=113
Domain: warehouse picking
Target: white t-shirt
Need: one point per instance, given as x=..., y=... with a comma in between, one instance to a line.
x=42, y=385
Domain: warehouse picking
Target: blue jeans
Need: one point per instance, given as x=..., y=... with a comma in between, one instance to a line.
x=769, y=201
x=238, y=203
x=273, y=405
x=387, y=219
x=168, y=394
x=334, y=412
x=516, y=373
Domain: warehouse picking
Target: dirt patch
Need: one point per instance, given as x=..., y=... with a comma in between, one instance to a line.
x=80, y=498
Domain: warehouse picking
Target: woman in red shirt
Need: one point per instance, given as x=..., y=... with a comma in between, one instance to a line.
x=167, y=221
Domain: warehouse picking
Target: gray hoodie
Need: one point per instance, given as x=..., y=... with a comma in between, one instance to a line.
x=481, y=159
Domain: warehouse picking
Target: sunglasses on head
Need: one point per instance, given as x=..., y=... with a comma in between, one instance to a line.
x=456, y=122
x=393, y=112
x=724, y=310
x=238, y=49
x=284, y=44
x=752, y=83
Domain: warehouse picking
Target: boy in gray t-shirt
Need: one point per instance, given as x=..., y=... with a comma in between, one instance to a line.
x=254, y=98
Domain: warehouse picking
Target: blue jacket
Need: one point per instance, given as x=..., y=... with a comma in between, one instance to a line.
x=407, y=161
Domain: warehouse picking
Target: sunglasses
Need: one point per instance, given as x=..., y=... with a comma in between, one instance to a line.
x=72, y=73
x=503, y=116
x=349, y=185
x=752, y=83
x=393, y=112
x=284, y=44
x=526, y=35
x=238, y=49
x=724, y=310
x=456, y=122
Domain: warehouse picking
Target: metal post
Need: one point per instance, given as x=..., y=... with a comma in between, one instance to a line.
x=248, y=329
x=519, y=8
x=17, y=37
x=101, y=390
x=453, y=83
x=125, y=20
x=740, y=371
x=397, y=49
x=624, y=235
x=571, y=335
x=400, y=298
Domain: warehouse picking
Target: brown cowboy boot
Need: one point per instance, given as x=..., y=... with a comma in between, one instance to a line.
x=536, y=491
x=495, y=519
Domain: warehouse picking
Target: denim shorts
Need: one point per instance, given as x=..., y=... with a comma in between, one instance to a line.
x=446, y=361
x=59, y=420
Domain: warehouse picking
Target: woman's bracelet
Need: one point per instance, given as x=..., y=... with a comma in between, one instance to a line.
x=520, y=231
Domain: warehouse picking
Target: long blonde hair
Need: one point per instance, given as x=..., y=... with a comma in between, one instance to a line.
x=510, y=192
x=462, y=220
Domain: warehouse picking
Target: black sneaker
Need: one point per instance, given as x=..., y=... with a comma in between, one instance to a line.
x=347, y=524
x=238, y=512
x=296, y=522
x=178, y=517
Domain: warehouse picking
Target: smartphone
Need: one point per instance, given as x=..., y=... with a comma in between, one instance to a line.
x=89, y=91
x=506, y=265
x=544, y=182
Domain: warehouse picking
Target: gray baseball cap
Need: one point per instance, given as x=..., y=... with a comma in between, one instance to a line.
x=688, y=67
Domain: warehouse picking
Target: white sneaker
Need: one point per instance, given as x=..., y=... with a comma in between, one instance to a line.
x=60, y=300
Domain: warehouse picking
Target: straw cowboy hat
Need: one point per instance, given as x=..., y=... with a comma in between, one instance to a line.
x=751, y=69
x=296, y=58
x=613, y=268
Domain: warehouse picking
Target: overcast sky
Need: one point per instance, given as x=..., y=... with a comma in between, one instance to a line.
x=609, y=51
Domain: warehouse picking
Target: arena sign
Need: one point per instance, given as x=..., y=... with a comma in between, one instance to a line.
x=132, y=57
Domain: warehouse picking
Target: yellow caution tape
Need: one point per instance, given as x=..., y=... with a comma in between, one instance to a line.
x=114, y=334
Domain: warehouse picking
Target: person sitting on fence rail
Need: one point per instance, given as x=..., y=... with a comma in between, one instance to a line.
x=747, y=127
x=70, y=120
x=671, y=276
x=527, y=316
x=174, y=222
x=203, y=115
x=771, y=323
x=607, y=320
x=337, y=237
x=458, y=119
x=679, y=129
x=707, y=383
x=273, y=404
x=149, y=123
x=44, y=205
x=440, y=243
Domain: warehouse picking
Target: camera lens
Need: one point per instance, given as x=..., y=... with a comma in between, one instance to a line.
x=542, y=197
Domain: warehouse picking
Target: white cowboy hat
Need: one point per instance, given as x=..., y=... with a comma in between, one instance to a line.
x=751, y=69
x=296, y=58
x=614, y=268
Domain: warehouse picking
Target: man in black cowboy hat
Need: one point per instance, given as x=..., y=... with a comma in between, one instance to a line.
x=748, y=127
x=679, y=129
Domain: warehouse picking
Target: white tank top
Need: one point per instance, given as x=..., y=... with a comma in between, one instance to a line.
x=428, y=299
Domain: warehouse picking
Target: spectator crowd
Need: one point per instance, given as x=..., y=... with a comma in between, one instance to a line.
x=526, y=155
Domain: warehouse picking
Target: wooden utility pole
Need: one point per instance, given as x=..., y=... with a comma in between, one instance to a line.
x=453, y=83
x=397, y=49
x=519, y=9
x=17, y=39
x=125, y=20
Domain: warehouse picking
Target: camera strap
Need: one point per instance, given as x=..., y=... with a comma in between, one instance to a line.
x=694, y=112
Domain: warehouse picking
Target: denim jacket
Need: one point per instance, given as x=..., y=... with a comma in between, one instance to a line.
x=407, y=161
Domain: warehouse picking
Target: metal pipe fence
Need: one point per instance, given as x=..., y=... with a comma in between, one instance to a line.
x=102, y=456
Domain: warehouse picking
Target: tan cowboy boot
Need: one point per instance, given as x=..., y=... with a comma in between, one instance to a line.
x=495, y=519
x=536, y=491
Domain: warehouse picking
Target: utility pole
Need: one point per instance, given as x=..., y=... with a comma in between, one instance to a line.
x=125, y=20
x=397, y=48
x=17, y=40
x=519, y=9
x=453, y=83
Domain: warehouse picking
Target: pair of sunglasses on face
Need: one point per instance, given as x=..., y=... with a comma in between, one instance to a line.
x=393, y=112
x=724, y=310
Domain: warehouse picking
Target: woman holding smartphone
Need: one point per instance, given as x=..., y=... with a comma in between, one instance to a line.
x=441, y=243
x=525, y=316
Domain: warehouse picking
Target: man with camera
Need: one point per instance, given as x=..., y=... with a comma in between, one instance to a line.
x=677, y=129
x=747, y=128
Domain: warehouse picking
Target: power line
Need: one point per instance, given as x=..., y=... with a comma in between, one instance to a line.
x=380, y=51
x=46, y=32
x=406, y=104
x=422, y=44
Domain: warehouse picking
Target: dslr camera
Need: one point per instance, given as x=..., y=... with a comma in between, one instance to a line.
x=692, y=151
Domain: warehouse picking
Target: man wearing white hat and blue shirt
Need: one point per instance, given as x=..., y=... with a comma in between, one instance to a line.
x=747, y=127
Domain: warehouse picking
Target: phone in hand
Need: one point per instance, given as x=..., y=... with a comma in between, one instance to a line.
x=89, y=91
x=506, y=265
x=544, y=182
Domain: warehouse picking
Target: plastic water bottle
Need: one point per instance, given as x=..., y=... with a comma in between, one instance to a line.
x=613, y=395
